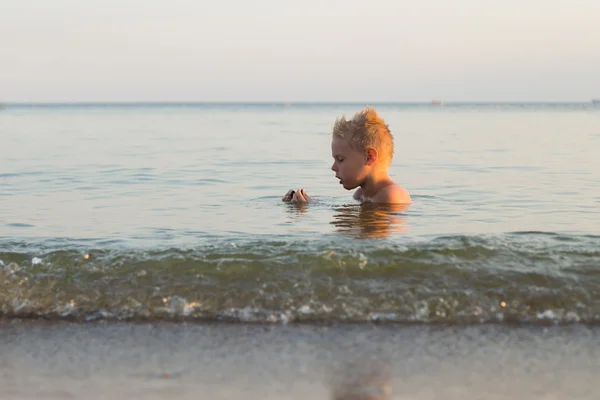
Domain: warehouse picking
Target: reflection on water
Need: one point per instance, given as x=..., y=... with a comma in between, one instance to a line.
x=358, y=221
x=370, y=220
x=362, y=378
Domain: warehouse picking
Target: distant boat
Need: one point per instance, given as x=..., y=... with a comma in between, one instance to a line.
x=436, y=102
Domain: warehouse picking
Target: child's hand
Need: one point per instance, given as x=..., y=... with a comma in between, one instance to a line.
x=298, y=196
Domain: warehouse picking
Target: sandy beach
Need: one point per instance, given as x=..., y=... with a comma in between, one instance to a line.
x=65, y=360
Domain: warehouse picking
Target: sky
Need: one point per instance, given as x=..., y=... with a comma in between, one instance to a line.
x=293, y=51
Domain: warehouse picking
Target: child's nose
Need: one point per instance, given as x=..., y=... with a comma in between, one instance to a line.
x=333, y=167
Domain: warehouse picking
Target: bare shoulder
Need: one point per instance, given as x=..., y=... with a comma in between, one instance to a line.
x=392, y=194
x=358, y=194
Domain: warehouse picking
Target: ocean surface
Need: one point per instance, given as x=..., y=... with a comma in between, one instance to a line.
x=173, y=212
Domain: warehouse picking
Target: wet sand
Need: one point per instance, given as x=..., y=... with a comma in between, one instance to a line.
x=42, y=360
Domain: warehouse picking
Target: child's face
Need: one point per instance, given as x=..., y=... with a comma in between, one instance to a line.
x=348, y=165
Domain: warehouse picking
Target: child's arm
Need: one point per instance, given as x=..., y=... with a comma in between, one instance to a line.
x=358, y=194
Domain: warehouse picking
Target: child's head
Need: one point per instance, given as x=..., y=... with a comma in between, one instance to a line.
x=359, y=146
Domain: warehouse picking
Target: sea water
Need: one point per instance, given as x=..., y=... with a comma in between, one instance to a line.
x=173, y=211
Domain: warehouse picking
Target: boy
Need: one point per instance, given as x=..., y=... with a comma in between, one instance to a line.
x=362, y=149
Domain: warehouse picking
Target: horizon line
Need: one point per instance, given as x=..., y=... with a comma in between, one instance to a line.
x=283, y=102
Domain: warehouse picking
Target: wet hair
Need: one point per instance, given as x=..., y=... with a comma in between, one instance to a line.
x=366, y=130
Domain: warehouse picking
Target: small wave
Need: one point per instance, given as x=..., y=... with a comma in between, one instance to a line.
x=512, y=278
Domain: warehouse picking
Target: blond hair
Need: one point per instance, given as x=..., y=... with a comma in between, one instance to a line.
x=366, y=130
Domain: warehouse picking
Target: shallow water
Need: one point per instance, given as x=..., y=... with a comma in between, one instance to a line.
x=174, y=211
x=223, y=361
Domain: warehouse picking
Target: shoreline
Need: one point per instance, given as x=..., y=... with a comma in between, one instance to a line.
x=68, y=360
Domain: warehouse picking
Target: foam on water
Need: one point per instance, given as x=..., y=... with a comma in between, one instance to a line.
x=511, y=278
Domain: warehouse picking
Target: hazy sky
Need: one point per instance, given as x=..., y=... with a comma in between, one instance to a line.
x=309, y=50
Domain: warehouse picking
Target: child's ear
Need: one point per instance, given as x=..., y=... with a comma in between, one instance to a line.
x=371, y=156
